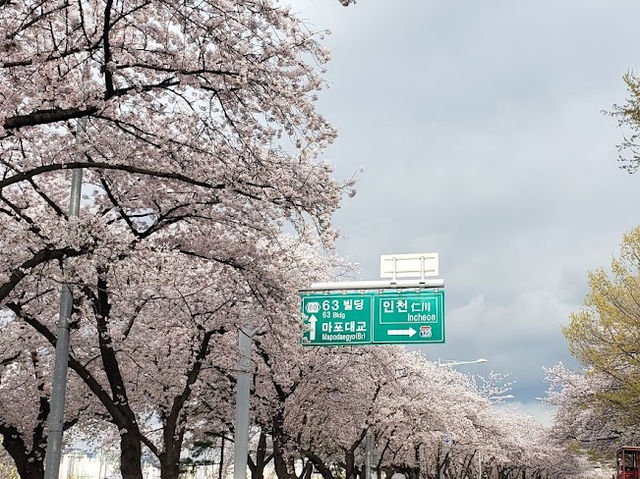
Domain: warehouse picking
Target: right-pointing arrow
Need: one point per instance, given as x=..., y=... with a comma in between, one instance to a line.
x=402, y=332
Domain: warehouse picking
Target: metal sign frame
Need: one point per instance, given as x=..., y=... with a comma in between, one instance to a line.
x=411, y=265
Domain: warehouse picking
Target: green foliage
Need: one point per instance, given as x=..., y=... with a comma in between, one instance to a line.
x=8, y=472
x=593, y=455
x=628, y=115
x=605, y=334
x=7, y=468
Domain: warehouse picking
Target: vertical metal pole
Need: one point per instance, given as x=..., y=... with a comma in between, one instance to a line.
x=59, y=385
x=444, y=450
x=368, y=455
x=241, y=439
x=479, y=465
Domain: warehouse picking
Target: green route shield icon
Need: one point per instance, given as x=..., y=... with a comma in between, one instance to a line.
x=391, y=317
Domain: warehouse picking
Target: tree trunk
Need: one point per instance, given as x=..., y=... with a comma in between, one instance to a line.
x=320, y=466
x=116, y=403
x=170, y=457
x=279, y=462
x=221, y=469
x=351, y=470
x=130, y=454
x=307, y=470
x=173, y=428
x=170, y=464
x=29, y=465
x=29, y=462
x=257, y=467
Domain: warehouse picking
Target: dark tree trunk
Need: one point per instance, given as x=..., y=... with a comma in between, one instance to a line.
x=173, y=423
x=221, y=458
x=279, y=463
x=262, y=459
x=320, y=466
x=172, y=439
x=350, y=469
x=116, y=404
x=307, y=470
x=29, y=461
x=130, y=456
x=170, y=464
x=30, y=465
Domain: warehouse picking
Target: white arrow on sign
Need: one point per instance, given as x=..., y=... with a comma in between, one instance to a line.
x=312, y=331
x=402, y=332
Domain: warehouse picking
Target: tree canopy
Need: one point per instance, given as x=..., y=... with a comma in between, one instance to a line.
x=599, y=406
x=605, y=334
x=203, y=185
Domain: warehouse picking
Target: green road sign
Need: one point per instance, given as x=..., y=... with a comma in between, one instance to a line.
x=412, y=317
x=392, y=317
x=337, y=319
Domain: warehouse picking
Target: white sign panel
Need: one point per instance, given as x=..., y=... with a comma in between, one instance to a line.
x=410, y=265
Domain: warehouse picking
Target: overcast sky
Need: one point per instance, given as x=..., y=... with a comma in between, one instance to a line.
x=479, y=125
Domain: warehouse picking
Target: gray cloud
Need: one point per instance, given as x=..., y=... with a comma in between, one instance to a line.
x=480, y=128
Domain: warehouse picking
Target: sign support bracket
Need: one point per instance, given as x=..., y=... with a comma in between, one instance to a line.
x=425, y=283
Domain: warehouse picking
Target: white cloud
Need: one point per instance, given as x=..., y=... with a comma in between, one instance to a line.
x=541, y=412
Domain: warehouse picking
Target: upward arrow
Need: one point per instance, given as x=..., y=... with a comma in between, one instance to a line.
x=312, y=329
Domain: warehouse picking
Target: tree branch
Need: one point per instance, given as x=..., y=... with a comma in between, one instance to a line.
x=43, y=117
x=38, y=258
x=23, y=176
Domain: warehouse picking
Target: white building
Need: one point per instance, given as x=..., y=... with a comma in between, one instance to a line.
x=82, y=465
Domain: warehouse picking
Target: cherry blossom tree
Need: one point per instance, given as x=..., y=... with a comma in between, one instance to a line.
x=189, y=111
x=335, y=407
x=433, y=430
x=24, y=404
x=199, y=142
x=159, y=342
x=582, y=416
x=312, y=407
x=410, y=405
x=25, y=375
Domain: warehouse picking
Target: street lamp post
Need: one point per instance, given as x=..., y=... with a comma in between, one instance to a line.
x=59, y=383
x=448, y=362
x=500, y=397
x=368, y=457
x=243, y=384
